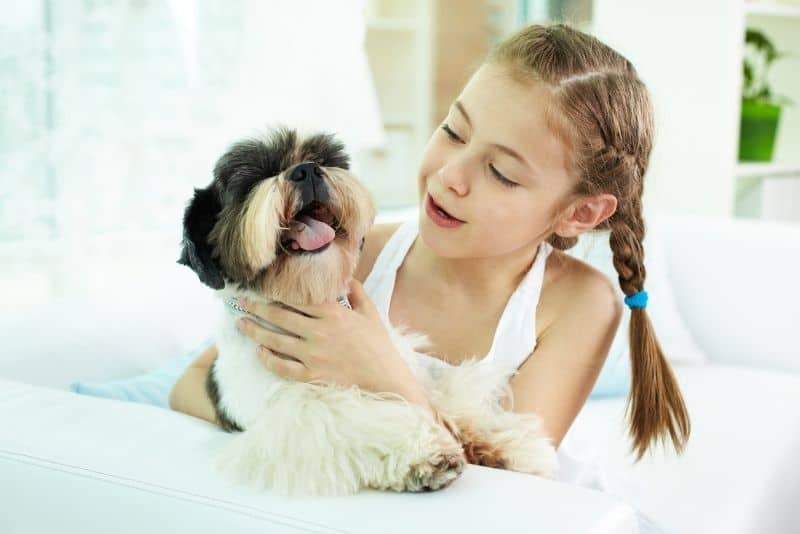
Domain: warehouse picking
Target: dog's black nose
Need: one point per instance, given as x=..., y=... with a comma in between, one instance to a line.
x=309, y=181
x=305, y=171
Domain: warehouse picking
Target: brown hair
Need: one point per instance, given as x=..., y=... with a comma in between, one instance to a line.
x=603, y=113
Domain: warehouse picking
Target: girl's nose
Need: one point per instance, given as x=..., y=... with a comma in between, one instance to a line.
x=455, y=176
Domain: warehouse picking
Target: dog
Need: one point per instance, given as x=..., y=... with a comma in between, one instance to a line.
x=284, y=220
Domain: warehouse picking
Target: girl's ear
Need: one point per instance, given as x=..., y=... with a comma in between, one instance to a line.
x=585, y=214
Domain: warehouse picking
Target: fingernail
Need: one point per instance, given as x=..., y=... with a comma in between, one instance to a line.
x=241, y=323
x=243, y=302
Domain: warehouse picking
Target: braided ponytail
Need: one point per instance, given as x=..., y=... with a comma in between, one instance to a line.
x=655, y=406
x=603, y=112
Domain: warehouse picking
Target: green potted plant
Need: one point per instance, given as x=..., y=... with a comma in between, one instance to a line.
x=761, y=109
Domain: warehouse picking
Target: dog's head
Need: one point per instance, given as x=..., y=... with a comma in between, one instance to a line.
x=283, y=216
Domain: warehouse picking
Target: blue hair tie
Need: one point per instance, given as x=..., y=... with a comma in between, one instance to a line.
x=637, y=300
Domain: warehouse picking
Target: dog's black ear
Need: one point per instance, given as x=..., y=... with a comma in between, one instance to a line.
x=198, y=220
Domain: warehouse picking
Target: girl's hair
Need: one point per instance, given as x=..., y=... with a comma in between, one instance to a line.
x=602, y=112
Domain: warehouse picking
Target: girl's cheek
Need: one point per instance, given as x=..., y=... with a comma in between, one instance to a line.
x=427, y=166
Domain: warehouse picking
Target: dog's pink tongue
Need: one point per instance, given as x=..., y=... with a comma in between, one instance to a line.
x=310, y=233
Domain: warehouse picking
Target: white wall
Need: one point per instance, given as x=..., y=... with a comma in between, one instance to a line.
x=687, y=52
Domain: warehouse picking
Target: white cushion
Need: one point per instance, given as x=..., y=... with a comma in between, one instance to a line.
x=737, y=285
x=99, y=338
x=741, y=470
x=99, y=465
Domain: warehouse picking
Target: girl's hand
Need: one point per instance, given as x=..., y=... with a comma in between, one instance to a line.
x=333, y=345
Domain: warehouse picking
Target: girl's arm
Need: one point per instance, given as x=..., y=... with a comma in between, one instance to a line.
x=189, y=394
x=555, y=381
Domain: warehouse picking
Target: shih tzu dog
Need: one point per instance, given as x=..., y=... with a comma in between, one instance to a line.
x=284, y=220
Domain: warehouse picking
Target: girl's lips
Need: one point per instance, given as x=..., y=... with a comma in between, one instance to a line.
x=440, y=220
x=435, y=205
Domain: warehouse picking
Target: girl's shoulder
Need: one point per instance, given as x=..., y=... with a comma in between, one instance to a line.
x=374, y=242
x=571, y=283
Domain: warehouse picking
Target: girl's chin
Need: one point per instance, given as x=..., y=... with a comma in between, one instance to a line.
x=438, y=240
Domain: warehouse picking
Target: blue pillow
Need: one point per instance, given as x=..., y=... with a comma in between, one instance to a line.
x=615, y=376
x=149, y=388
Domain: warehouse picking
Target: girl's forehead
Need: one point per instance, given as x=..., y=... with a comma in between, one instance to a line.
x=492, y=89
x=503, y=110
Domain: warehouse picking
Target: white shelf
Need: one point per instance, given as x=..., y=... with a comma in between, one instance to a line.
x=750, y=170
x=392, y=24
x=399, y=42
x=774, y=9
x=398, y=118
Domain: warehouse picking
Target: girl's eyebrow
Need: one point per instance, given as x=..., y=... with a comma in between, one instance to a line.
x=502, y=148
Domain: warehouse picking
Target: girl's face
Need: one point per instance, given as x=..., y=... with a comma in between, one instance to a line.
x=494, y=164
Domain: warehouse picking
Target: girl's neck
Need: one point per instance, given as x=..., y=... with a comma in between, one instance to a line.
x=470, y=278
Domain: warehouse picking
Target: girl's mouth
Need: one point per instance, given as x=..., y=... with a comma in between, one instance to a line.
x=439, y=208
x=440, y=216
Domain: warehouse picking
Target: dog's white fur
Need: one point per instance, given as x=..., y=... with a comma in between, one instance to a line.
x=312, y=439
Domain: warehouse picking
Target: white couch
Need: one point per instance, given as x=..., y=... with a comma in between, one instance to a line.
x=81, y=464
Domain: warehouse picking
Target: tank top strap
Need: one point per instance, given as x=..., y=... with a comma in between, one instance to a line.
x=515, y=337
x=379, y=284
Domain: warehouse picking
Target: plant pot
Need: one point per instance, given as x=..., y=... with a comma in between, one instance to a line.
x=758, y=128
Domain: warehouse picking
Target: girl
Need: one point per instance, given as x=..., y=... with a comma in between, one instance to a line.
x=549, y=139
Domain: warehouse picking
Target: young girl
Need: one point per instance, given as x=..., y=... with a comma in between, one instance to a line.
x=549, y=139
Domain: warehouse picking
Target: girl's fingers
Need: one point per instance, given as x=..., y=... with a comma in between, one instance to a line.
x=276, y=314
x=286, y=367
x=315, y=311
x=272, y=340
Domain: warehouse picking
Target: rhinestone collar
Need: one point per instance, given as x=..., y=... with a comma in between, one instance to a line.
x=234, y=308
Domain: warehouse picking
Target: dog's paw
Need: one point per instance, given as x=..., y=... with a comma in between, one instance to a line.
x=439, y=469
x=436, y=474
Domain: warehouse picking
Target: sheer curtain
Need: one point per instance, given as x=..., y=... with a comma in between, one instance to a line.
x=113, y=110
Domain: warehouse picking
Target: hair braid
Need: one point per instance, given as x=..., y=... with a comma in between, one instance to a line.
x=655, y=406
x=627, y=234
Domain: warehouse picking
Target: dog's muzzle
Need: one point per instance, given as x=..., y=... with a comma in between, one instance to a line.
x=309, y=180
x=314, y=225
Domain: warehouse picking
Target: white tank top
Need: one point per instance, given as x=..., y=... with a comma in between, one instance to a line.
x=515, y=337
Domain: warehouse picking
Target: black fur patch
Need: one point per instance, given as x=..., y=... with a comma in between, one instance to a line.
x=325, y=150
x=213, y=393
x=198, y=220
x=249, y=162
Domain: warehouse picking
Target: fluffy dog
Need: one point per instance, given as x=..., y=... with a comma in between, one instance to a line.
x=284, y=220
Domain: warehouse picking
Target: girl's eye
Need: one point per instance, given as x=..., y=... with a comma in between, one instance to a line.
x=502, y=179
x=451, y=134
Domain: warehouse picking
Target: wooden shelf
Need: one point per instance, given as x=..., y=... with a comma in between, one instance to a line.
x=750, y=170
x=774, y=9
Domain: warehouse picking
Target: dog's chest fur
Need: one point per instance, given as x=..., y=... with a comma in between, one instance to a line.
x=244, y=385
